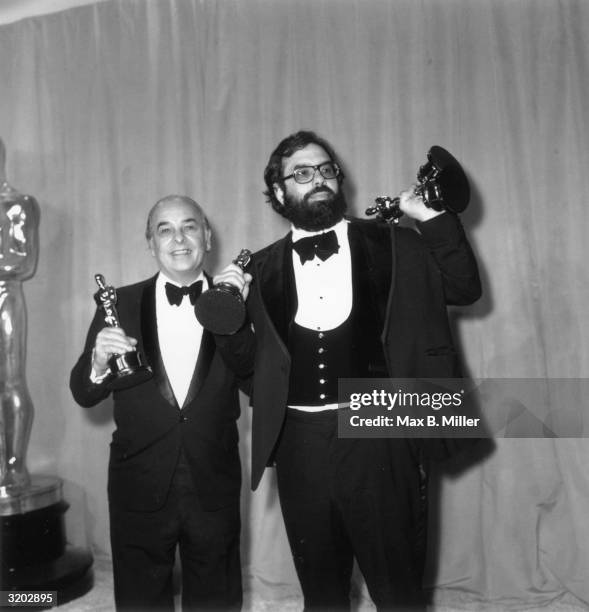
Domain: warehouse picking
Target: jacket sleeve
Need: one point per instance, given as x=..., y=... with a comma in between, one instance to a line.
x=85, y=392
x=238, y=351
x=446, y=240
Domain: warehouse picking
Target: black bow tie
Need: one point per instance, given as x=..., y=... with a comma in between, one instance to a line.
x=322, y=245
x=175, y=293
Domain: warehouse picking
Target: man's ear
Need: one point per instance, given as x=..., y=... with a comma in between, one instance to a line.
x=150, y=246
x=278, y=192
x=208, y=239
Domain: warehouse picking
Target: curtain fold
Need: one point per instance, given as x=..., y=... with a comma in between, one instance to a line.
x=106, y=108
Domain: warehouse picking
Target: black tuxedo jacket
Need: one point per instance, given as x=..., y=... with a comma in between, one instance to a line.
x=407, y=278
x=150, y=426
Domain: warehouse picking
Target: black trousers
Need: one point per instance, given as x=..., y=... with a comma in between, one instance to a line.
x=346, y=498
x=144, y=549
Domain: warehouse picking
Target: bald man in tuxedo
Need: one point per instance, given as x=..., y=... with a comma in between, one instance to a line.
x=174, y=471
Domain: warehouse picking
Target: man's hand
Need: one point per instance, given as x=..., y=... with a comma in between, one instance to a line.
x=412, y=205
x=234, y=275
x=110, y=341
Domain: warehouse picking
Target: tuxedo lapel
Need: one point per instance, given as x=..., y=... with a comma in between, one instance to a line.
x=151, y=343
x=203, y=363
x=275, y=277
x=372, y=269
x=154, y=356
x=361, y=273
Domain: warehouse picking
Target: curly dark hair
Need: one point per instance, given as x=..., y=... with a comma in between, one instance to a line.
x=290, y=144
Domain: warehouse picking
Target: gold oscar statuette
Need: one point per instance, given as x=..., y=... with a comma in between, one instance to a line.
x=441, y=183
x=221, y=309
x=128, y=369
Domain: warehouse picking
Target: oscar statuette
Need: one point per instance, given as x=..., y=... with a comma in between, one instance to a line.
x=128, y=369
x=221, y=309
x=441, y=183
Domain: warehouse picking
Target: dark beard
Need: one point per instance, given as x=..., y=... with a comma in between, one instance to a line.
x=317, y=215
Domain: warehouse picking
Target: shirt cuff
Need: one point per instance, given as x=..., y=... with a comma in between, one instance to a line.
x=95, y=378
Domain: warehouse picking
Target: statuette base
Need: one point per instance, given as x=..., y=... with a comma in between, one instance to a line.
x=128, y=370
x=221, y=310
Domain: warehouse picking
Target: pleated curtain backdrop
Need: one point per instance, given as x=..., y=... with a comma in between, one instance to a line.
x=105, y=108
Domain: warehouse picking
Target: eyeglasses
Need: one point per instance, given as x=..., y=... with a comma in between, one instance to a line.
x=305, y=174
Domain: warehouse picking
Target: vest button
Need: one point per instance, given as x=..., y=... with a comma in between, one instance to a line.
x=322, y=396
x=321, y=366
x=322, y=381
x=183, y=418
x=321, y=350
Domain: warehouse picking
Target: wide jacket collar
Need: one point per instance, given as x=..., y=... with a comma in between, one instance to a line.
x=153, y=353
x=372, y=266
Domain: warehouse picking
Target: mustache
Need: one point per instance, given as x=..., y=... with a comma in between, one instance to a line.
x=320, y=189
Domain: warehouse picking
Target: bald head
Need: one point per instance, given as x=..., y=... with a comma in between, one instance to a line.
x=171, y=199
x=179, y=237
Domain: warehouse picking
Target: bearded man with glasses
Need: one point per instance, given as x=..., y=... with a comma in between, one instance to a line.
x=346, y=298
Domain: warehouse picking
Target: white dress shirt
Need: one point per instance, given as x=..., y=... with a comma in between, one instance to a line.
x=179, y=335
x=324, y=288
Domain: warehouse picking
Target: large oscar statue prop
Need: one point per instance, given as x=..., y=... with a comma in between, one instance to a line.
x=34, y=554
